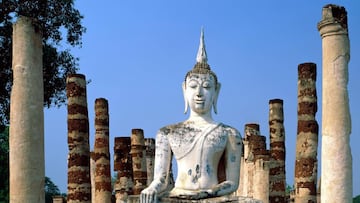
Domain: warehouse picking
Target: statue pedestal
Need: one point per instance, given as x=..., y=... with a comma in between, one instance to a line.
x=233, y=199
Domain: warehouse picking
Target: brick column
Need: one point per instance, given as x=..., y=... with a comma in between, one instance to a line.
x=26, y=138
x=336, y=160
x=261, y=168
x=79, y=184
x=307, y=135
x=277, y=152
x=150, y=158
x=138, y=160
x=101, y=152
x=123, y=166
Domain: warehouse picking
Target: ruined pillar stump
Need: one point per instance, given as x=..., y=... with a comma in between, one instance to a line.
x=277, y=152
x=123, y=166
x=336, y=160
x=307, y=135
x=26, y=140
x=251, y=130
x=261, y=169
x=150, y=159
x=79, y=184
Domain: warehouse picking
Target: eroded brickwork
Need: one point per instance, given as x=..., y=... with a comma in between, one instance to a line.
x=138, y=154
x=277, y=152
x=307, y=135
x=79, y=185
x=101, y=152
x=123, y=166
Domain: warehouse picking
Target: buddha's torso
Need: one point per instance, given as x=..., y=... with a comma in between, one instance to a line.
x=197, y=152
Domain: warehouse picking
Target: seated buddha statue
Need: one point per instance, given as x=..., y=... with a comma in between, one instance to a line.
x=207, y=152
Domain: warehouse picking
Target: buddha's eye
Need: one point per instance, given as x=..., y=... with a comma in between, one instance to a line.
x=193, y=84
x=206, y=85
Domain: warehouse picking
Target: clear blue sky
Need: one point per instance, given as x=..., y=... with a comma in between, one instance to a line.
x=136, y=54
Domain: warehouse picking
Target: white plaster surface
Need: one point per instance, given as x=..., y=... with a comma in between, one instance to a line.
x=261, y=180
x=336, y=168
x=27, y=167
x=92, y=179
x=198, y=145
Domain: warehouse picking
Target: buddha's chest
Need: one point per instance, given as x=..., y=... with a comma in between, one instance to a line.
x=187, y=140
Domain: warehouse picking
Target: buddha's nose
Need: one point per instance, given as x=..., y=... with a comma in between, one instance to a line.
x=199, y=92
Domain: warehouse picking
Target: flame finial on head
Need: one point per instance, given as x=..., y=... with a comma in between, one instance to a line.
x=201, y=55
x=201, y=66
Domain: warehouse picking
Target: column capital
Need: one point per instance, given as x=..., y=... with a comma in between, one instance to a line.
x=334, y=21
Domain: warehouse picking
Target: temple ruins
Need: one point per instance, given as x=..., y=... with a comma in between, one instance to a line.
x=261, y=173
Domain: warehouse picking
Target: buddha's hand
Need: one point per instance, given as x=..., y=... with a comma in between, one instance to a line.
x=223, y=188
x=148, y=195
x=189, y=194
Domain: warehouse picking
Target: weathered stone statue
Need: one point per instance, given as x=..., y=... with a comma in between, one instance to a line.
x=202, y=147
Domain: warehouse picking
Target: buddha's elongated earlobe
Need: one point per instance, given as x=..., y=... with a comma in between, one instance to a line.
x=217, y=91
x=185, y=100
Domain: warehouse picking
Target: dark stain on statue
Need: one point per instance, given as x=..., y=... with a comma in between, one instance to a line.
x=233, y=158
x=189, y=172
x=195, y=179
x=208, y=169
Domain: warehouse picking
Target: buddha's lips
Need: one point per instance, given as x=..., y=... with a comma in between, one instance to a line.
x=199, y=101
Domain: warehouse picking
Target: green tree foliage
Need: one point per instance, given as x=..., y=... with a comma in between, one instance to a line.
x=50, y=190
x=289, y=189
x=57, y=19
x=52, y=17
x=356, y=199
x=4, y=163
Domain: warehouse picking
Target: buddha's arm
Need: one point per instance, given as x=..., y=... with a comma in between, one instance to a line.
x=232, y=165
x=162, y=165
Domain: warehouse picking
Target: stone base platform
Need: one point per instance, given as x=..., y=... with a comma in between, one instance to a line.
x=135, y=199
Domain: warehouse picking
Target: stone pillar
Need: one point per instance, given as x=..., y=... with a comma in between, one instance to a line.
x=123, y=167
x=26, y=142
x=150, y=159
x=101, y=152
x=79, y=184
x=258, y=163
x=307, y=135
x=92, y=175
x=261, y=178
x=261, y=162
x=138, y=160
x=239, y=191
x=246, y=183
x=251, y=129
x=277, y=152
x=336, y=160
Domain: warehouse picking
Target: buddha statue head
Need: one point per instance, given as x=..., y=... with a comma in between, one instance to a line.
x=201, y=87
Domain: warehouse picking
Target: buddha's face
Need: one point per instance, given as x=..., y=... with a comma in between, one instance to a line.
x=200, y=91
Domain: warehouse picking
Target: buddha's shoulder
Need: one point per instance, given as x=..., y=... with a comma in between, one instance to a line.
x=181, y=126
x=185, y=127
x=229, y=129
